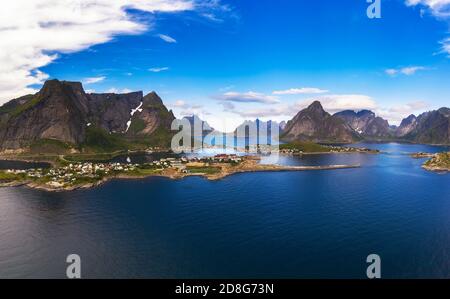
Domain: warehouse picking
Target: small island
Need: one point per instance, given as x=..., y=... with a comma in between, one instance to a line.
x=422, y=155
x=439, y=162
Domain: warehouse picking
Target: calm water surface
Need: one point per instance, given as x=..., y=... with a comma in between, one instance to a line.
x=320, y=224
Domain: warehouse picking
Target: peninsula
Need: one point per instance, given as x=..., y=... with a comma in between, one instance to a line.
x=73, y=176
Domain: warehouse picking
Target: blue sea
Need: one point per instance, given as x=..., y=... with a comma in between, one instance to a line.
x=313, y=224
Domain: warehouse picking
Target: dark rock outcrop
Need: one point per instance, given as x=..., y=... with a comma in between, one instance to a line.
x=316, y=125
x=407, y=126
x=431, y=127
x=366, y=123
x=62, y=111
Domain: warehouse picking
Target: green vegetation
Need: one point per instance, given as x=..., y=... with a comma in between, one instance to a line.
x=143, y=171
x=11, y=177
x=161, y=137
x=440, y=161
x=14, y=105
x=204, y=170
x=28, y=105
x=81, y=180
x=50, y=146
x=137, y=125
x=306, y=147
x=100, y=141
x=99, y=157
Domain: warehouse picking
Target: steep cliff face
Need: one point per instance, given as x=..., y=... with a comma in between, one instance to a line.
x=55, y=112
x=366, y=123
x=430, y=127
x=111, y=112
x=315, y=124
x=407, y=126
x=151, y=117
x=63, y=112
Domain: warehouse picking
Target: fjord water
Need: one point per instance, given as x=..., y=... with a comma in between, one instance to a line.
x=315, y=224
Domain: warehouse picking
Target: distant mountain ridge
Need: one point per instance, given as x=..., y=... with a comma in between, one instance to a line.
x=366, y=123
x=62, y=117
x=315, y=124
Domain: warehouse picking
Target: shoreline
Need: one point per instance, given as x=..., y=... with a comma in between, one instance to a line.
x=439, y=162
x=333, y=153
x=249, y=166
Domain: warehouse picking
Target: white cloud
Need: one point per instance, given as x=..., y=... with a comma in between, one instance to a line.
x=212, y=17
x=446, y=46
x=303, y=90
x=118, y=91
x=332, y=104
x=439, y=8
x=179, y=103
x=248, y=97
x=395, y=114
x=93, y=80
x=167, y=39
x=158, y=69
x=32, y=33
x=408, y=71
x=391, y=72
x=411, y=70
x=185, y=109
x=281, y=110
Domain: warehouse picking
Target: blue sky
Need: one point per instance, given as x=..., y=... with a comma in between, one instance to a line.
x=240, y=59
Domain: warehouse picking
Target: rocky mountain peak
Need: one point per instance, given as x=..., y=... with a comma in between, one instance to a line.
x=365, y=113
x=366, y=123
x=315, y=124
x=63, y=112
x=316, y=107
x=152, y=99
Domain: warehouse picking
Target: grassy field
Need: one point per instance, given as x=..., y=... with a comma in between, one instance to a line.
x=306, y=147
x=205, y=170
x=50, y=146
x=10, y=177
x=98, y=157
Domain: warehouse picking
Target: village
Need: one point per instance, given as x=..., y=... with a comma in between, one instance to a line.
x=75, y=173
x=293, y=151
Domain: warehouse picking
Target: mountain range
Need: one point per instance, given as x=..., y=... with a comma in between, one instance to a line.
x=62, y=117
x=315, y=124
